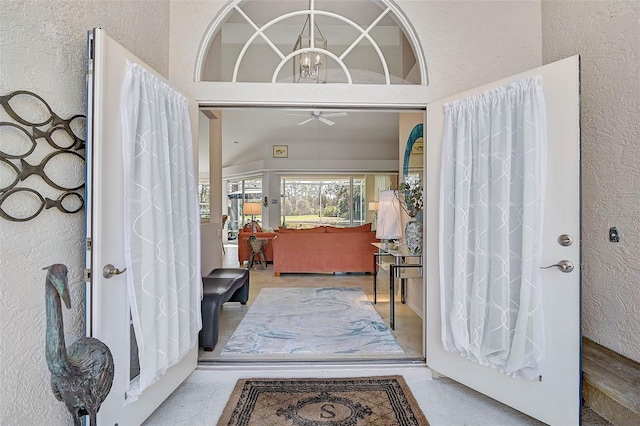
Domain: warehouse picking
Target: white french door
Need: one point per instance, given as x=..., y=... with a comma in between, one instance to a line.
x=555, y=399
x=108, y=311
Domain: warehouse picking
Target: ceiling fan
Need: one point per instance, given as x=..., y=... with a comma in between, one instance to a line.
x=320, y=116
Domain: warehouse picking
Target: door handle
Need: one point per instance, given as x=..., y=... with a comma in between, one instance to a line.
x=563, y=265
x=109, y=270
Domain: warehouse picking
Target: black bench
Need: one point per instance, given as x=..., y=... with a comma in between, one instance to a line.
x=220, y=286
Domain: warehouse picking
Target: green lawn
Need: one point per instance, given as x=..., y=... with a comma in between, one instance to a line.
x=293, y=221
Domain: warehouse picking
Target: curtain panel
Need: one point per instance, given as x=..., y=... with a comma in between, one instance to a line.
x=492, y=202
x=162, y=246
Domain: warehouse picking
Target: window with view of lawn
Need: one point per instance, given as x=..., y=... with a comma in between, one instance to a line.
x=326, y=200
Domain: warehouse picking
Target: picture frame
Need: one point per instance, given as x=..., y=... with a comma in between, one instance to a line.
x=280, y=151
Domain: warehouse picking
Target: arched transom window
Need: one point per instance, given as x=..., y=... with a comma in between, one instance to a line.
x=312, y=41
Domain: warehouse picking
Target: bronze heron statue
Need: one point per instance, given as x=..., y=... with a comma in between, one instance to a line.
x=81, y=375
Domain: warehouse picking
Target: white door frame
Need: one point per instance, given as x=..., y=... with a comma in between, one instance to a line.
x=397, y=107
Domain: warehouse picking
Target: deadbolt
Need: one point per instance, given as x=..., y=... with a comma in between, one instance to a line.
x=565, y=240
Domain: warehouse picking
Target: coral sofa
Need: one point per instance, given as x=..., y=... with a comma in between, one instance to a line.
x=324, y=249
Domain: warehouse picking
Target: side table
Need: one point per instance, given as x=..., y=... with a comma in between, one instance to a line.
x=257, y=246
x=399, y=269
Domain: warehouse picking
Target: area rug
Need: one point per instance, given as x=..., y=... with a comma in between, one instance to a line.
x=292, y=323
x=384, y=400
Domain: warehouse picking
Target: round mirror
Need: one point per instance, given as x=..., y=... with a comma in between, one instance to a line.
x=414, y=153
x=412, y=172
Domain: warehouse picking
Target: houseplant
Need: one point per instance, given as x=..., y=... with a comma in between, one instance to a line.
x=410, y=194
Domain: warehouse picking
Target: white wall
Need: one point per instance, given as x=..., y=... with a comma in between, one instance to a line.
x=606, y=34
x=415, y=288
x=210, y=234
x=43, y=50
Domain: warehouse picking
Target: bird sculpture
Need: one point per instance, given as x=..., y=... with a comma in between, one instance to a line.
x=81, y=375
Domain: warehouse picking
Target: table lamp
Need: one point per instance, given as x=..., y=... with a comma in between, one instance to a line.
x=388, y=227
x=252, y=209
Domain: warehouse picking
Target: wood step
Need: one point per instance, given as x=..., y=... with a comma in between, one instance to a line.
x=611, y=384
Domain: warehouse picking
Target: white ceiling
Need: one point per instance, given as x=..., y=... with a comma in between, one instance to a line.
x=246, y=131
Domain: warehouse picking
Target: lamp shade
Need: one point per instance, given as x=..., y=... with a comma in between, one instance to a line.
x=252, y=208
x=388, y=226
x=373, y=205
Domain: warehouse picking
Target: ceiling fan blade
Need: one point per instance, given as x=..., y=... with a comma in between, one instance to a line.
x=297, y=115
x=306, y=121
x=327, y=122
x=335, y=114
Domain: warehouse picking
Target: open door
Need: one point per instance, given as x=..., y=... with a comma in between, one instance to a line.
x=555, y=399
x=108, y=317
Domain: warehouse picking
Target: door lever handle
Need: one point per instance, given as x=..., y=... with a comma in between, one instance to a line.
x=109, y=270
x=563, y=265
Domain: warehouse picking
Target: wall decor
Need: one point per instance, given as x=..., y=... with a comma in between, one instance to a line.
x=33, y=121
x=280, y=151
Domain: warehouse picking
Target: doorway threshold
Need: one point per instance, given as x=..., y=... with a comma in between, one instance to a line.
x=309, y=364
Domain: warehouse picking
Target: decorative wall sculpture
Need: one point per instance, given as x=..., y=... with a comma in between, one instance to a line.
x=33, y=121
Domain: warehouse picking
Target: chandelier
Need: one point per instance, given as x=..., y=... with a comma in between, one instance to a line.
x=310, y=66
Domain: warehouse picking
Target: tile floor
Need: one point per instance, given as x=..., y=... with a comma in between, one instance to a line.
x=202, y=397
x=408, y=325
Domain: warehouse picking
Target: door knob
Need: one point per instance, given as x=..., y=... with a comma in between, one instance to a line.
x=563, y=265
x=109, y=270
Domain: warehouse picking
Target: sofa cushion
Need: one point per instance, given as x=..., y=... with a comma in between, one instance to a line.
x=362, y=228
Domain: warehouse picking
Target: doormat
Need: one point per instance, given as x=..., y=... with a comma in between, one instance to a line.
x=384, y=400
x=303, y=323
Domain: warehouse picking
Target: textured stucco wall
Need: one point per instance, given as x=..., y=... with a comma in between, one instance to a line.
x=607, y=36
x=42, y=49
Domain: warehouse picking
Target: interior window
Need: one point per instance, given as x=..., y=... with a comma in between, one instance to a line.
x=311, y=42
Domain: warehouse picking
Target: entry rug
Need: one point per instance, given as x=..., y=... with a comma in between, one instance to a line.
x=385, y=400
x=293, y=323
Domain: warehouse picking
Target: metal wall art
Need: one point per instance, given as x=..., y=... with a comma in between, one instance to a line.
x=34, y=121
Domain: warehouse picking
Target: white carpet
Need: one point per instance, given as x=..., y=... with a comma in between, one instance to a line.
x=291, y=323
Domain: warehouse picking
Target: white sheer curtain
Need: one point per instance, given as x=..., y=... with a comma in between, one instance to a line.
x=162, y=246
x=492, y=194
